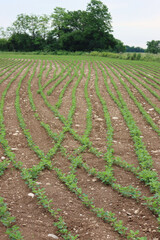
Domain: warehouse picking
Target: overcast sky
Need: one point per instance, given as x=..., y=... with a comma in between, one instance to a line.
x=134, y=22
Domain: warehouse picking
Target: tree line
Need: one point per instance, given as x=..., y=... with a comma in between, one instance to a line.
x=87, y=30
x=79, y=30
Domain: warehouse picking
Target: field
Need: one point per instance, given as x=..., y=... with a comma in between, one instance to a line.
x=79, y=148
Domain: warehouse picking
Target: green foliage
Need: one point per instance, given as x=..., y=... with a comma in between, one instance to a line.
x=8, y=221
x=153, y=46
x=134, y=49
x=63, y=31
x=144, y=172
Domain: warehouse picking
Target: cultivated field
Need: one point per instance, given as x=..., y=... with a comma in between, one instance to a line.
x=80, y=148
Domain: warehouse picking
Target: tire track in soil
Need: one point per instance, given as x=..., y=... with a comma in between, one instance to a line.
x=29, y=215
x=150, y=137
x=80, y=220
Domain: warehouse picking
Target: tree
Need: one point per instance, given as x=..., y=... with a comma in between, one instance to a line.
x=44, y=26
x=20, y=42
x=58, y=18
x=3, y=44
x=153, y=46
x=99, y=18
x=119, y=47
x=84, y=30
x=66, y=30
x=26, y=24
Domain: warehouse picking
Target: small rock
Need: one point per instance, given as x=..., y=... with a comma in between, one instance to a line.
x=136, y=211
x=14, y=149
x=129, y=214
x=31, y=195
x=155, y=151
x=115, y=118
x=94, y=180
x=48, y=184
x=15, y=134
x=52, y=236
x=99, y=119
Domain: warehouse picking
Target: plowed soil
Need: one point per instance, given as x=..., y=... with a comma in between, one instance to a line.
x=34, y=221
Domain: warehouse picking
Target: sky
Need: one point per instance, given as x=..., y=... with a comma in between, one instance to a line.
x=134, y=22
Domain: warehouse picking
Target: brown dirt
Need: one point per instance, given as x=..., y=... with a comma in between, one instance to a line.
x=34, y=221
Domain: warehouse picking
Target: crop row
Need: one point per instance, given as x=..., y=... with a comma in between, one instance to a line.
x=74, y=72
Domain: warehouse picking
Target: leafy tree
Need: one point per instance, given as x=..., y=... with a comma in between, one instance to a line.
x=64, y=30
x=2, y=32
x=153, y=46
x=84, y=30
x=119, y=47
x=44, y=25
x=26, y=24
x=59, y=21
x=3, y=44
x=20, y=42
x=99, y=18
